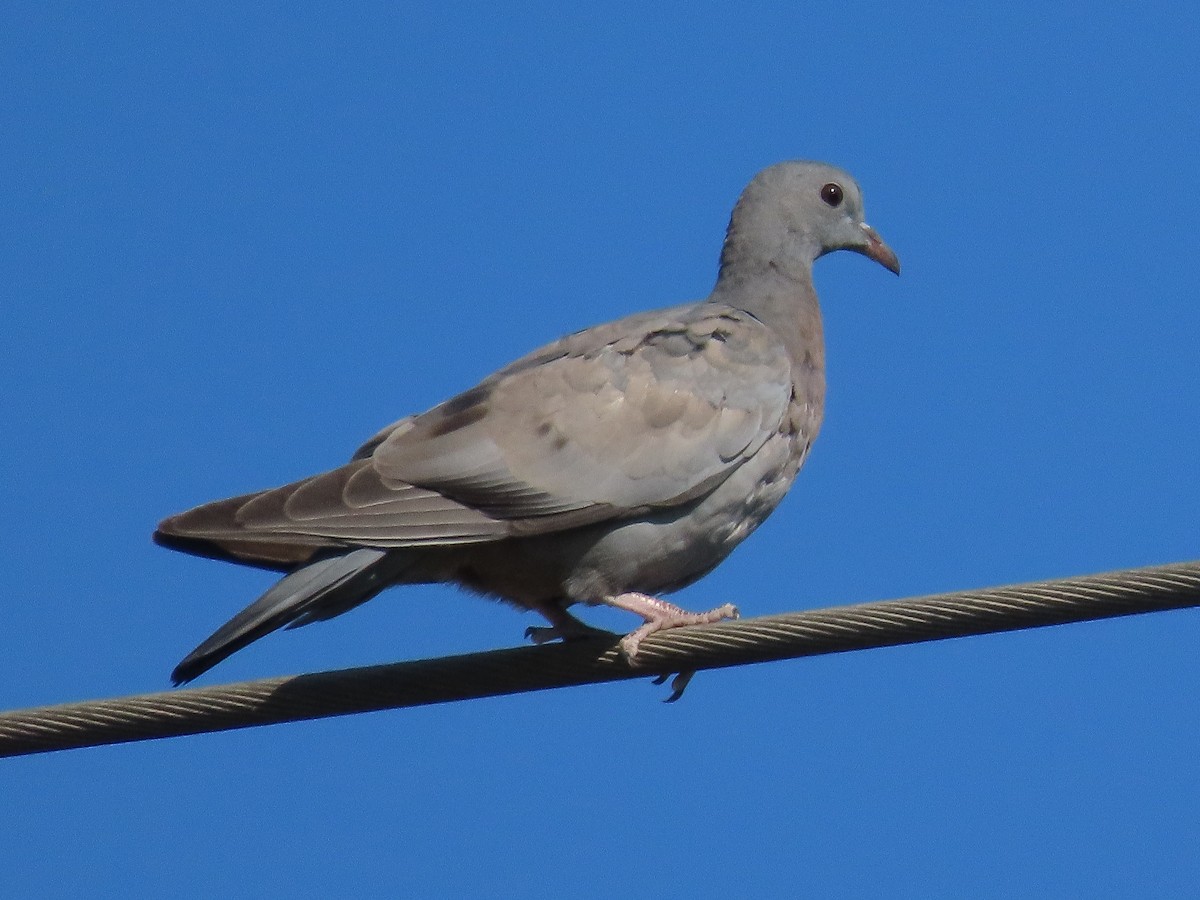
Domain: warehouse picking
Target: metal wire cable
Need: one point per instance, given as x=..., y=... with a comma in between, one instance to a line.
x=888, y=623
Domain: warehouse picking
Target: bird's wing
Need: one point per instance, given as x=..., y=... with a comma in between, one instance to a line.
x=650, y=411
x=647, y=412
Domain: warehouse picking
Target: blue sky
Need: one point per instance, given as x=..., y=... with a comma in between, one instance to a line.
x=238, y=241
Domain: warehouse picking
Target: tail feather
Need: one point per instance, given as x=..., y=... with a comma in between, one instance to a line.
x=318, y=590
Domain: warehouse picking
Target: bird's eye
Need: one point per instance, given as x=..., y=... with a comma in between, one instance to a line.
x=832, y=194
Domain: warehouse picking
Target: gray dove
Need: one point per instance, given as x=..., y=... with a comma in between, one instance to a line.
x=614, y=465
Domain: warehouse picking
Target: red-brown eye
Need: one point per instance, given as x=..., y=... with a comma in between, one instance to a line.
x=832, y=194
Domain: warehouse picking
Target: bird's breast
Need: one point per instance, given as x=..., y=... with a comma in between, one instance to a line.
x=667, y=550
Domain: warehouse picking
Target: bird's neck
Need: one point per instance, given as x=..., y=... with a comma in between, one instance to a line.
x=782, y=297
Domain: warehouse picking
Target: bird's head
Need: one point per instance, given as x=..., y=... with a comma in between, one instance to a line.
x=794, y=212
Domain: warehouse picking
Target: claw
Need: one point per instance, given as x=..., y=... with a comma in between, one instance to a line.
x=678, y=685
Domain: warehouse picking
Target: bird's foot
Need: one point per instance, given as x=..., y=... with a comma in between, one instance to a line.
x=563, y=627
x=659, y=615
x=542, y=634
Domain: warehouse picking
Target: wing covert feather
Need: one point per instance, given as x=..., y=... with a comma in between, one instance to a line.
x=639, y=413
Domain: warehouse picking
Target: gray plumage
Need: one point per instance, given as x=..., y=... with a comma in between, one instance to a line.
x=617, y=463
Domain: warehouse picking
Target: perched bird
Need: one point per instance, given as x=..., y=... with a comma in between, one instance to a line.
x=616, y=464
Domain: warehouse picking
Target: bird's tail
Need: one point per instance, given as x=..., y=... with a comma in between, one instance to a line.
x=319, y=590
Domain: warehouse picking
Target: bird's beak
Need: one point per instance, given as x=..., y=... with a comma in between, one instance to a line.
x=877, y=250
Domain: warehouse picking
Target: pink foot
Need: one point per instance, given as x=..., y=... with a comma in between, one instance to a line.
x=659, y=615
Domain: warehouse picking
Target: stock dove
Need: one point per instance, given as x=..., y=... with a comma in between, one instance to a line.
x=616, y=464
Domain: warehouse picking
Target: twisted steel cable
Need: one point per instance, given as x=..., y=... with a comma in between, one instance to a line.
x=888, y=623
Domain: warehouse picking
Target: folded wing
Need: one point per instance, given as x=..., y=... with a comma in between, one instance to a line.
x=647, y=412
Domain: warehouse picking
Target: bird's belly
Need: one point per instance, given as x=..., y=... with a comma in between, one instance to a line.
x=664, y=552
x=656, y=553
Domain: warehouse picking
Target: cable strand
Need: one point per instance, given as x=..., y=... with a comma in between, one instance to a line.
x=500, y=672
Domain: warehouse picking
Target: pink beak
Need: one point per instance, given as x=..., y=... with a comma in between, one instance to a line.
x=879, y=251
